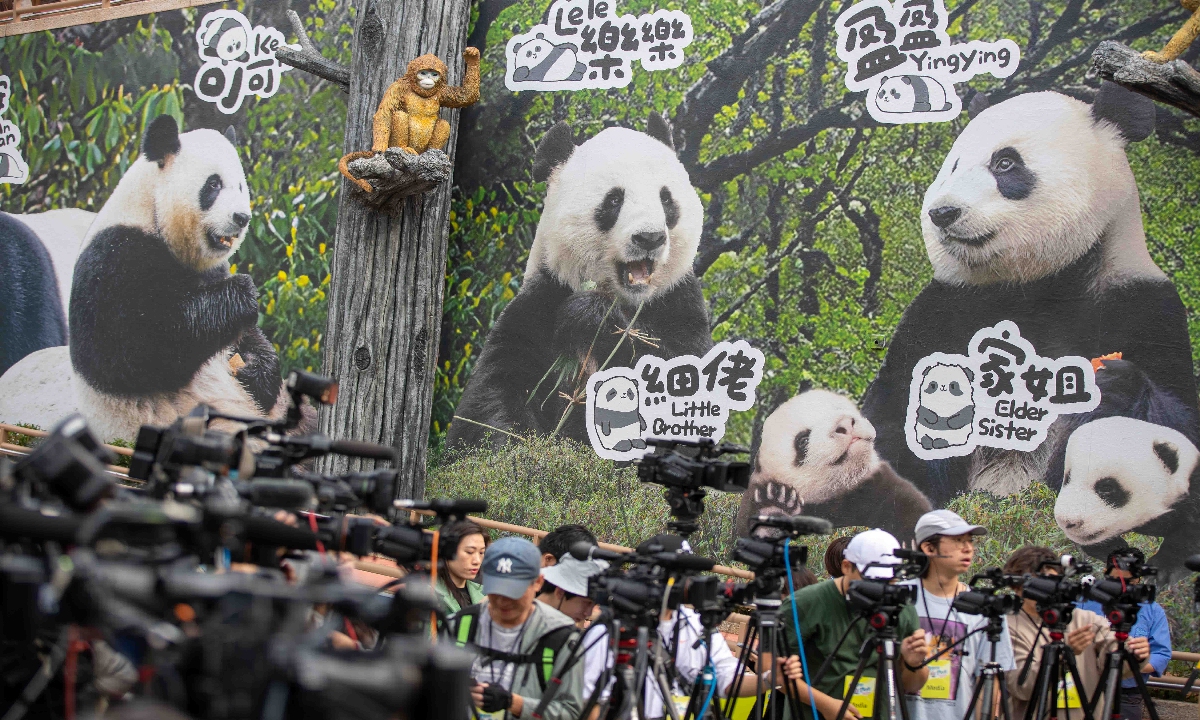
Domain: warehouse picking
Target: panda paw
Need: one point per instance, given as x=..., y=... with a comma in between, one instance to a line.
x=778, y=495
x=245, y=300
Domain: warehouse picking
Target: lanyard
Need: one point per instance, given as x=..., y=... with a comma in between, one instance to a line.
x=946, y=621
x=491, y=666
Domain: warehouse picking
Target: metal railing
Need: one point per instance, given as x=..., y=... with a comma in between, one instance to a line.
x=26, y=16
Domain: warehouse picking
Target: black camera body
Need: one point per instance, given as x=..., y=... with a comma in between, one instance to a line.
x=1121, y=600
x=1055, y=594
x=880, y=600
x=690, y=465
x=984, y=597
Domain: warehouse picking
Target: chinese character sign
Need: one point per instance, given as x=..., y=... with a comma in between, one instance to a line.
x=238, y=61
x=685, y=398
x=1001, y=394
x=13, y=169
x=901, y=54
x=586, y=44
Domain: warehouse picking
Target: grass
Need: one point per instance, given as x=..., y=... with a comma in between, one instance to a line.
x=543, y=483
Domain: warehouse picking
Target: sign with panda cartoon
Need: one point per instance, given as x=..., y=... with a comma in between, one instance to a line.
x=13, y=169
x=901, y=55
x=684, y=398
x=238, y=60
x=585, y=44
x=1001, y=394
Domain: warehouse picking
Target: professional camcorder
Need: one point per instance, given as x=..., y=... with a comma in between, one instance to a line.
x=1121, y=598
x=687, y=469
x=984, y=597
x=1056, y=592
x=880, y=600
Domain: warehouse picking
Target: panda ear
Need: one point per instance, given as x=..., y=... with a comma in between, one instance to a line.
x=1168, y=454
x=978, y=104
x=231, y=135
x=658, y=128
x=556, y=148
x=161, y=139
x=970, y=374
x=1133, y=114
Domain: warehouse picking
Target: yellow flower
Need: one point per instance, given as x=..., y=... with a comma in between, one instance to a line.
x=505, y=278
x=320, y=295
x=233, y=269
x=299, y=311
x=302, y=281
x=494, y=212
x=271, y=311
x=321, y=248
x=291, y=249
x=282, y=276
x=326, y=280
x=293, y=234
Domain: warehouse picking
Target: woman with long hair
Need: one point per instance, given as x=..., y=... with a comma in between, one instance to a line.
x=463, y=543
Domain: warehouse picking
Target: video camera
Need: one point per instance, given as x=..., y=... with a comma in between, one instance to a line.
x=1120, y=598
x=880, y=600
x=984, y=597
x=765, y=556
x=1056, y=593
x=685, y=468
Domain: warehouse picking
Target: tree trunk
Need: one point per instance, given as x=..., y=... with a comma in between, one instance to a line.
x=385, y=302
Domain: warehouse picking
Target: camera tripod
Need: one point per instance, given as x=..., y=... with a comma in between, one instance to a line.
x=1058, y=663
x=991, y=676
x=638, y=662
x=883, y=643
x=1109, y=686
x=765, y=629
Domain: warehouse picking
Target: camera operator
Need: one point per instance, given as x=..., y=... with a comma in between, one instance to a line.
x=949, y=543
x=826, y=618
x=558, y=541
x=565, y=587
x=834, y=554
x=1089, y=637
x=1125, y=564
x=521, y=643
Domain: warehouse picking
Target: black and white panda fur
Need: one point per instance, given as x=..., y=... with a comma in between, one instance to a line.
x=31, y=311
x=155, y=313
x=622, y=222
x=1035, y=217
x=817, y=457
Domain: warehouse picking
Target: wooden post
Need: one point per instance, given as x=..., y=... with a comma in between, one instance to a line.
x=388, y=274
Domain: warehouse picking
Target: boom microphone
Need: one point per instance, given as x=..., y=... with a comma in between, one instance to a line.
x=445, y=508
x=284, y=494
x=584, y=550
x=684, y=561
x=356, y=448
x=267, y=531
x=800, y=524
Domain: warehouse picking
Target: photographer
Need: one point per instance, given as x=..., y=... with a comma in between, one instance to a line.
x=949, y=543
x=1125, y=564
x=521, y=643
x=826, y=619
x=1088, y=635
x=565, y=587
x=558, y=541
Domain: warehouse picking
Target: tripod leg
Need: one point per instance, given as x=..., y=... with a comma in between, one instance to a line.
x=1005, y=700
x=891, y=670
x=1073, y=669
x=862, y=664
x=740, y=671
x=1037, y=702
x=1135, y=666
x=1107, y=687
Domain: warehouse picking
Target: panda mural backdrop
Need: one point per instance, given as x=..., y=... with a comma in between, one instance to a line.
x=913, y=254
x=130, y=306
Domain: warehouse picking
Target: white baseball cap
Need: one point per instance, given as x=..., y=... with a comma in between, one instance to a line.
x=572, y=575
x=873, y=546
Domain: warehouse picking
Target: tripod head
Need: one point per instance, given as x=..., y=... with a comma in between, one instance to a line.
x=686, y=468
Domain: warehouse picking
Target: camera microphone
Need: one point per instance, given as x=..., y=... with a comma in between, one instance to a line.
x=283, y=494
x=356, y=448
x=684, y=561
x=1193, y=563
x=443, y=507
x=584, y=550
x=802, y=524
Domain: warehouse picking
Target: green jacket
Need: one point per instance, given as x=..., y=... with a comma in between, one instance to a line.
x=449, y=604
x=529, y=678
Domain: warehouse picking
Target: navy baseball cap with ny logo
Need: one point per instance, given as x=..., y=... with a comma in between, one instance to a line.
x=510, y=566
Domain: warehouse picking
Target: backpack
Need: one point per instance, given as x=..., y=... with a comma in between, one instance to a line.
x=465, y=625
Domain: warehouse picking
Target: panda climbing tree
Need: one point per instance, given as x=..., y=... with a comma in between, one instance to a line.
x=609, y=277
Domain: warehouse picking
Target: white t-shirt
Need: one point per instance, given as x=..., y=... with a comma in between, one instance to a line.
x=959, y=667
x=689, y=661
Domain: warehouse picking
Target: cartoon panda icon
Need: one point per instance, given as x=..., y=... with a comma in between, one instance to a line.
x=911, y=94
x=947, y=408
x=225, y=37
x=539, y=60
x=12, y=168
x=618, y=423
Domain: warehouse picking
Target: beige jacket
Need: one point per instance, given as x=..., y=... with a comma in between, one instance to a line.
x=1024, y=630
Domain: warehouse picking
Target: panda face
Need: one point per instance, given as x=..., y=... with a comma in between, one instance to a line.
x=819, y=443
x=945, y=389
x=232, y=43
x=618, y=393
x=1028, y=188
x=620, y=215
x=202, y=200
x=532, y=52
x=895, y=96
x=1119, y=474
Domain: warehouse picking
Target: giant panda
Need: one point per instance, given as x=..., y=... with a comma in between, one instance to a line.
x=817, y=457
x=617, y=236
x=1035, y=217
x=155, y=315
x=31, y=310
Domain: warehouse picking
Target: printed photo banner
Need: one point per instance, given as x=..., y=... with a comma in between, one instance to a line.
x=1001, y=394
x=684, y=398
x=901, y=54
x=584, y=44
x=238, y=60
x=13, y=169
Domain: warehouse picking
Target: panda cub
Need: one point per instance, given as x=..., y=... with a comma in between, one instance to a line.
x=1035, y=218
x=617, y=237
x=155, y=316
x=817, y=457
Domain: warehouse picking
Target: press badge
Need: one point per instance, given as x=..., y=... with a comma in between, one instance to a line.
x=681, y=704
x=1068, y=694
x=864, y=695
x=937, y=687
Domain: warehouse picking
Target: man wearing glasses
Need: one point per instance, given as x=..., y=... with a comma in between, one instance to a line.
x=949, y=543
